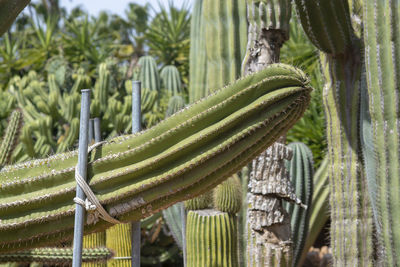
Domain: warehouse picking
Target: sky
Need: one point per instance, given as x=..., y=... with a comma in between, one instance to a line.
x=115, y=6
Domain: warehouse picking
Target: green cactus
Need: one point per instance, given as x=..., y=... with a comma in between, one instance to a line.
x=56, y=256
x=171, y=80
x=198, y=55
x=228, y=195
x=10, y=137
x=187, y=154
x=319, y=207
x=329, y=27
x=225, y=35
x=301, y=175
x=148, y=73
x=381, y=41
x=211, y=239
x=175, y=104
x=173, y=218
x=118, y=237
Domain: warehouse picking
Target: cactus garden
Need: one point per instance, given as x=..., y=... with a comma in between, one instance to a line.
x=269, y=133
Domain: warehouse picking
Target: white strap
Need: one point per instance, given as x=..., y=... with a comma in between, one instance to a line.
x=92, y=203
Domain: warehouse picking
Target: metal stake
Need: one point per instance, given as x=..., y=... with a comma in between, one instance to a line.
x=82, y=169
x=97, y=131
x=136, y=127
x=90, y=131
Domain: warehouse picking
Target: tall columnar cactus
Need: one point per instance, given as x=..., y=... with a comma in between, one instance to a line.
x=171, y=79
x=10, y=136
x=173, y=218
x=133, y=176
x=382, y=57
x=56, y=256
x=301, y=175
x=268, y=29
x=198, y=55
x=329, y=27
x=225, y=36
x=148, y=73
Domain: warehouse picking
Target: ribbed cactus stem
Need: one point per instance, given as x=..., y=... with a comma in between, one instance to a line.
x=119, y=238
x=10, y=136
x=301, y=171
x=94, y=241
x=211, y=239
x=225, y=32
x=148, y=73
x=171, y=79
x=136, y=175
x=329, y=27
x=56, y=256
x=382, y=57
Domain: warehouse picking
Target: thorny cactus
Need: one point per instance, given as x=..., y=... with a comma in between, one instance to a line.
x=329, y=27
x=56, y=256
x=184, y=156
x=10, y=137
x=301, y=171
x=171, y=80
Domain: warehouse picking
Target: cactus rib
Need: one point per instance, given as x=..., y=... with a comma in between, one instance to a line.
x=10, y=136
x=56, y=256
x=137, y=175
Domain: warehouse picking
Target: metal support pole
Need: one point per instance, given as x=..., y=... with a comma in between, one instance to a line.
x=183, y=218
x=82, y=169
x=97, y=131
x=136, y=127
x=90, y=131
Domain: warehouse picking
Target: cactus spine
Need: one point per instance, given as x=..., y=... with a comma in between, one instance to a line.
x=171, y=79
x=10, y=137
x=301, y=174
x=179, y=158
x=382, y=58
x=57, y=256
x=329, y=27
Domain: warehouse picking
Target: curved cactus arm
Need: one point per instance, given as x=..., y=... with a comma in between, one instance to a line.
x=136, y=175
x=10, y=136
x=57, y=256
x=382, y=58
x=9, y=10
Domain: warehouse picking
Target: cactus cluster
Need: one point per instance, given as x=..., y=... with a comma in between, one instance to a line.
x=136, y=175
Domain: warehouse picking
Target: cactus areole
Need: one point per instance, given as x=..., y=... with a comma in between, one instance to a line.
x=134, y=176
